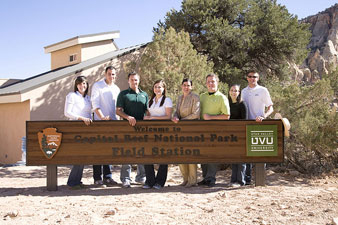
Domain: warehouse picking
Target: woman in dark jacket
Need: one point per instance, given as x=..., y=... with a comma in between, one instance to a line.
x=238, y=110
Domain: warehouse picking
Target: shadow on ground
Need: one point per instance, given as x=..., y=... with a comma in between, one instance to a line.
x=223, y=178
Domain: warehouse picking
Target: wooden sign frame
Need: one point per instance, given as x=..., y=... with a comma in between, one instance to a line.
x=149, y=142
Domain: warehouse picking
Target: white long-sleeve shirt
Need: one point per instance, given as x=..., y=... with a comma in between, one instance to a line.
x=104, y=97
x=76, y=105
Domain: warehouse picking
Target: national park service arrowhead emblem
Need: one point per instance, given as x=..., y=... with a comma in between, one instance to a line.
x=49, y=141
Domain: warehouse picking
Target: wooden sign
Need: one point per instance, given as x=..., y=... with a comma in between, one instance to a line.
x=116, y=142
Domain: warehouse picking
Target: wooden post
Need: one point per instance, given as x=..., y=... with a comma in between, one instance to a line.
x=52, y=178
x=259, y=174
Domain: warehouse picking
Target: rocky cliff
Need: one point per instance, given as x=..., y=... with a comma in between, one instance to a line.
x=323, y=55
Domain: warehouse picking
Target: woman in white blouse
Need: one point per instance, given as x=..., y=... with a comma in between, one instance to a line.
x=78, y=107
x=159, y=108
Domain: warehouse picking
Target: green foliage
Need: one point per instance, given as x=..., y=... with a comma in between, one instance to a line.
x=312, y=146
x=239, y=35
x=171, y=57
x=129, y=66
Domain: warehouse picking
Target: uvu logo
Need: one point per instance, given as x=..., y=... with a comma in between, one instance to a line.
x=262, y=141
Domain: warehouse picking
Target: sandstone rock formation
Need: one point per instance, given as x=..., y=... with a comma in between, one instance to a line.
x=323, y=56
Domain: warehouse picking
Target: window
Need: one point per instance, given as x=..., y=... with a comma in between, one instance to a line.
x=73, y=58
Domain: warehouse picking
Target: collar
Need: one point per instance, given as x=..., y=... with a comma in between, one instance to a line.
x=78, y=93
x=213, y=93
x=250, y=88
x=159, y=100
x=190, y=93
x=104, y=81
x=131, y=90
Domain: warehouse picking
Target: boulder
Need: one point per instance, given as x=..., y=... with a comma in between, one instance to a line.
x=297, y=74
x=330, y=55
x=307, y=75
x=323, y=45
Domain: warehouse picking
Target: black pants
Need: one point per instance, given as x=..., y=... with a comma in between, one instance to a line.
x=97, y=171
x=160, y=177
x=248, y=172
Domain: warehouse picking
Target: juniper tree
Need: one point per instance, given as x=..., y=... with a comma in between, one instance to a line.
x=239, y=35
x=312, y=146
x=170, y=56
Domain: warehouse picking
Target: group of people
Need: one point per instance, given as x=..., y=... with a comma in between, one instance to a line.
x=109, y=103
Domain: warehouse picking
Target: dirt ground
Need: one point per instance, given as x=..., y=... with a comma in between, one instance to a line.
x=288, y=198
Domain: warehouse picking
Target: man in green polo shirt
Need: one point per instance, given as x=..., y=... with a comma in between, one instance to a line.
x=131, y=105
x=214, y=106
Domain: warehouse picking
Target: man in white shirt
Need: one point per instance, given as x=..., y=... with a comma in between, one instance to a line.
x=259, y=103
x=104, y=96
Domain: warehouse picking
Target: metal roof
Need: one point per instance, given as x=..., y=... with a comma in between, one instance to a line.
x=39, y=80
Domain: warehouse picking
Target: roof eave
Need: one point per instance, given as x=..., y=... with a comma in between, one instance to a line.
x=53, y=76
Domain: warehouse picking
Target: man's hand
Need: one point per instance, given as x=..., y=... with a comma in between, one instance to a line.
x=175, y=119
x=87, y=121
x=206, y=117
x=132, y=120
x=105, y=118
x=259, y=118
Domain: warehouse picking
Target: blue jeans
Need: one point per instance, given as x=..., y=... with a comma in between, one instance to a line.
x=98, y=170
x=238, y=173
x=209, y=172
x=126, y=171
x=75, y=175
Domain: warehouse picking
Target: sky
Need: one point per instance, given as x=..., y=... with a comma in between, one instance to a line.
x=26, y=27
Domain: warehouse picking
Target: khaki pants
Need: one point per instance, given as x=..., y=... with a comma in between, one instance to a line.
x=189, y=173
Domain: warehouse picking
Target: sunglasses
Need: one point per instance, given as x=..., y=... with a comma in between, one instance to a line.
x=252, y=76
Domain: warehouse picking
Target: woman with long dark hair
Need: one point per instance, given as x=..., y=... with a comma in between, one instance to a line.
x=238, y=110
x=78, y=107
x=159, y=108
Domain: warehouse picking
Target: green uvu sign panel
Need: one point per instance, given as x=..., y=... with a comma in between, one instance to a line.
x=261, y=140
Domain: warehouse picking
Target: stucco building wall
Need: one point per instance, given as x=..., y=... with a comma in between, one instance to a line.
x=91, y=50
x=12, y=129
x=47, y=103
x=60, y=58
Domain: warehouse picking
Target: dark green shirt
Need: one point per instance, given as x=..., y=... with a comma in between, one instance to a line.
x=133, y=104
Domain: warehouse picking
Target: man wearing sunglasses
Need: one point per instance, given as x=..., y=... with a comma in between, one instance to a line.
x=259, y=103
